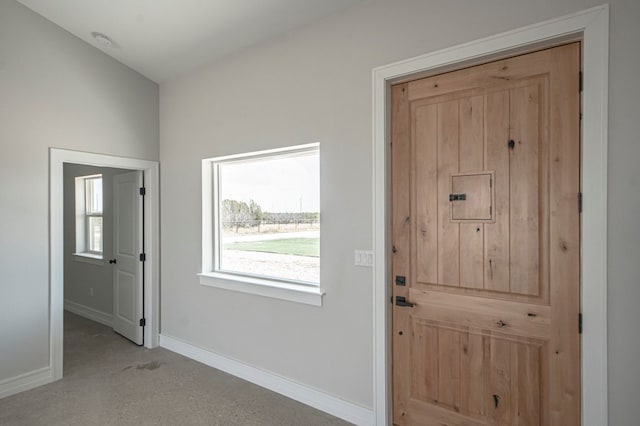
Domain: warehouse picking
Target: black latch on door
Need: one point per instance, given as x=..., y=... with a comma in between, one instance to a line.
x=400, y=280
x=457, y=197
x=402, y=301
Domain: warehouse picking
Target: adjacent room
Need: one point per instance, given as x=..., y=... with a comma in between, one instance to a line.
x=319, y=212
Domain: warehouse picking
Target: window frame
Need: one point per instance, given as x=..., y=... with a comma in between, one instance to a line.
x=211, y=274
x=84, y=214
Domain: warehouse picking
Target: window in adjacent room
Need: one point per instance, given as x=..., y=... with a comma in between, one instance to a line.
x=89, y=220
x=265, y=216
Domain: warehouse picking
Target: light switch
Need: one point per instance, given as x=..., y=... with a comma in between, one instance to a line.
x=363, y=258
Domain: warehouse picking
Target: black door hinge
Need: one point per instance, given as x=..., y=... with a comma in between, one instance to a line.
x=580, y=323
x=580, y=81
x=143, y=322
x=143, y=257
x=579, y=202
x=143, y=191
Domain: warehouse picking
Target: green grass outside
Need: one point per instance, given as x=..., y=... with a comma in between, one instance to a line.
x=296, y=246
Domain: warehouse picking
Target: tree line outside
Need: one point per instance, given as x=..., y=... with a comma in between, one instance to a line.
x=247, y=219
x=239, y=214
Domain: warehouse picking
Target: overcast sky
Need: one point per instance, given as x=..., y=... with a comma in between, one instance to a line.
x=277, y=184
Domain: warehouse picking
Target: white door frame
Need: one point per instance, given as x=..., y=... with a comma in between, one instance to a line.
x=57, y=158
x=592, y=28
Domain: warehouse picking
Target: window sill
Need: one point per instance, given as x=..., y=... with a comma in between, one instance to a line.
x=262, y=287
x=93, y=259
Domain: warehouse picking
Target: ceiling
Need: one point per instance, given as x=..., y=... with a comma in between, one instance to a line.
x=163, y=38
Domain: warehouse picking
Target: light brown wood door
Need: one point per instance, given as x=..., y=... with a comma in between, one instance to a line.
x=486, y=244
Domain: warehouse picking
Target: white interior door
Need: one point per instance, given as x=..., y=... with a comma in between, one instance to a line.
x=128, y=276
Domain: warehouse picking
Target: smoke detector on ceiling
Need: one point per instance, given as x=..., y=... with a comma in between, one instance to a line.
x=102, y=39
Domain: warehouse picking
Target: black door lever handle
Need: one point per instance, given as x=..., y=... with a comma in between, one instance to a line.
x=402, y=301
x=112, y=261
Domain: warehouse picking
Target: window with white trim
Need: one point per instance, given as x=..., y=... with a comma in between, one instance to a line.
x=89, y=219
x=261, y=218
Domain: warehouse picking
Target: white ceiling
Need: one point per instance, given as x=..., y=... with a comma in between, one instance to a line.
x=163, y=38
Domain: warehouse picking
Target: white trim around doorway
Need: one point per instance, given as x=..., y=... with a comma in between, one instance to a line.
x=151, y=170
x=591, y=27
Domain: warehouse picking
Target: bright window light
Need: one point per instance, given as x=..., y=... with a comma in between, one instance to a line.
x=266, y=215
x=89, y=220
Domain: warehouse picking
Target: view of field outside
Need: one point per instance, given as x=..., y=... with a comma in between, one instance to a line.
x=270, y=217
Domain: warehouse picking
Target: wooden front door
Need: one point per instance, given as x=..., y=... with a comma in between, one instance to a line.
x=486, y=244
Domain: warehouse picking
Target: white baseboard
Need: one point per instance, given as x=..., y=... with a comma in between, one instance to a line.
x=89, y=313
x=322, y=401
x=25, y=381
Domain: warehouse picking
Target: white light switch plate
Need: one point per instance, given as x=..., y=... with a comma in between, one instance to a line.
x=363, y=258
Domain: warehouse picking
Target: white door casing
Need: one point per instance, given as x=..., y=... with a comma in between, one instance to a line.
x=151, y=171
x=127, y=246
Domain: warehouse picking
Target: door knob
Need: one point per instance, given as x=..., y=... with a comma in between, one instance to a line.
x=112, y=261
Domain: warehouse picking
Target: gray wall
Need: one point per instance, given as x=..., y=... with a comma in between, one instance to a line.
x=80, y=277
x=314, y=84
x=55, y=91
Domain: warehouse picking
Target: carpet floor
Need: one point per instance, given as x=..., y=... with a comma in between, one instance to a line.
x=110, y=381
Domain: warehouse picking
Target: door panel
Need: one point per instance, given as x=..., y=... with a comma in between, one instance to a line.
x=126, y=294
x=510, y=263
x=128, y=280
x=485, y=171
x=461, y=362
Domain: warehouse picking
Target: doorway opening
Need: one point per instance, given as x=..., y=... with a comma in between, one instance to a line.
x=133, y=254
x=103, y=247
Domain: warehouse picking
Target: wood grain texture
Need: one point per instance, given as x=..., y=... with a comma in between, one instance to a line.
x=449, y=368
x=528, y=358
x=472, y=255
x=425, y=198
x=476, y=374
x=486, y=313
x=471, y=159
x=424, y=363
x=496, y=158
x=487, y=76
x=564, y=235
x=472, y=374
x=448, y=239
x=524, y=191
x=492, y=336
x=498, y=397
x=477, y=206
x=400, y=213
